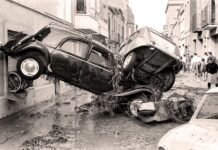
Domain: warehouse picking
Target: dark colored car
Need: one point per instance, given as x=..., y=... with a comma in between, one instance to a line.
x=67, y=54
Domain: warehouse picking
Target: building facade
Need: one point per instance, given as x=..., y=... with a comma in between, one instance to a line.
x=206, y=25
x=29, y=17
x=172, y=9
x=121, y=23
x=110, y=21
x=197, y=23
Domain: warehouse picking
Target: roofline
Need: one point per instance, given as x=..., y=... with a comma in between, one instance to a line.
x=175, y=4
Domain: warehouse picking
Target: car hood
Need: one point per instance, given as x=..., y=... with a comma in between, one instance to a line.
x=15, y=40
x=197, y=135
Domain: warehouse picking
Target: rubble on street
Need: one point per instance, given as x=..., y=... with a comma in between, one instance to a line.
x=67, y=125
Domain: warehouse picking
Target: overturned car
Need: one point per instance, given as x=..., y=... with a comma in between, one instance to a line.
x=149, y=63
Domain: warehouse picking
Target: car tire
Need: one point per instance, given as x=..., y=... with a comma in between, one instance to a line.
x=128, y=64
x=35, y=68
x=169, y=80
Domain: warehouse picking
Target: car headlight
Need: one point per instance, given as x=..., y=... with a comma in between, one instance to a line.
x=162, y=148
x=127, y=60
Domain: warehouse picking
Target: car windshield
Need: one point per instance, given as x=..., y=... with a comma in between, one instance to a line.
x=160, y=41
x=209, y=110
x=55, y=36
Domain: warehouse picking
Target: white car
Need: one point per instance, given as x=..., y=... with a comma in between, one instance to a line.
x=201, y=133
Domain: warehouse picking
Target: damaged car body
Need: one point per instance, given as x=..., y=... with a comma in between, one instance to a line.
x=201, y=132
x=151, y=59
x=149, y=63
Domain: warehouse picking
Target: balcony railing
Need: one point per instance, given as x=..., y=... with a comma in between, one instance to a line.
x=196, y=23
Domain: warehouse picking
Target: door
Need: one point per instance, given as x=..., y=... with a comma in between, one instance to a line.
x=97, y=72
x=68, y=59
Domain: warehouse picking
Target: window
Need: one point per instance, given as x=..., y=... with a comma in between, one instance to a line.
x=54, y=37
x=75, y=47
x=210, y=108
x=99, y=58
x=163, y=43
x=213, y=11
x=81, y=6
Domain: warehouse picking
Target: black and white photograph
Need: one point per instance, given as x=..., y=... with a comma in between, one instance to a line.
x=108, y=75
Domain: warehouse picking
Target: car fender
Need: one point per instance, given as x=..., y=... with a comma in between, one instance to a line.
x=33, y=46
x=168, y=140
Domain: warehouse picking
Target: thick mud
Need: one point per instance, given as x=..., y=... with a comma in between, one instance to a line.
x=64, y=126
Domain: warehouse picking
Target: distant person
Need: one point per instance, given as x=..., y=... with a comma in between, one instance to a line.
x=210, y=56
x=203, y=69
x=205, y=57
x=184, y=59
x=196, y=62
x=191, y=57
x=188, y=62
x=212, y=69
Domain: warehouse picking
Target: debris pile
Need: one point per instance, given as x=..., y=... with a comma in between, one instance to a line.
x=179, y=108
x=56, y=135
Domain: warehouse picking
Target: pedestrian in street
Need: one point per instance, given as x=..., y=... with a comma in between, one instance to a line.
x=205, y=57
x=203, y=69
x=184, y=59
x=196, y=62
x=188, y=62
x=212, y=69
x=210, y=56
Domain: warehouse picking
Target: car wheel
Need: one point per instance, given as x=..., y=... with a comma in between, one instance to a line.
x=30, y=66
x=129, y=61
x=14, y=82
x=169, y=80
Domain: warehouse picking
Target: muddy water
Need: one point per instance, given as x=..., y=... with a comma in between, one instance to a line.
x=61, y=127
x=98, y=131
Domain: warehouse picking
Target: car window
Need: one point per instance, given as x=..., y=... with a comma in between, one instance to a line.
x=74, y=47
x=54, y=37
x=209, y=110
x=162, y=42
x=100, y=58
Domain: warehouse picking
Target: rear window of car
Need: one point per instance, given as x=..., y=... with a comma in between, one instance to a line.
x=160, y=41
x=101, y=59
x=75, y=47
x=55, y=37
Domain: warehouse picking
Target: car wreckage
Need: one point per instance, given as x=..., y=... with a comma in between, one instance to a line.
x=200, y=133
x=134, y=78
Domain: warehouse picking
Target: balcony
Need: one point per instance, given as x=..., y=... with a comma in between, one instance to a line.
x=103, y=28
x=208, y=18
x=196, y=23
x=90, y=25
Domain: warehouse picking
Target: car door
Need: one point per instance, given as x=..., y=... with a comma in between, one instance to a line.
x=97, y=72
x=68, y=59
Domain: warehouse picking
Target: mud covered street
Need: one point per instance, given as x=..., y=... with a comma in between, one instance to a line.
x=59, y=126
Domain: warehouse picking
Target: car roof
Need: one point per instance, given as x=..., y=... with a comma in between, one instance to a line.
x=83, y=35
x=212, y=91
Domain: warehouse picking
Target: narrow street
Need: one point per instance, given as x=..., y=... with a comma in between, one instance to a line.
x=58, y=126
